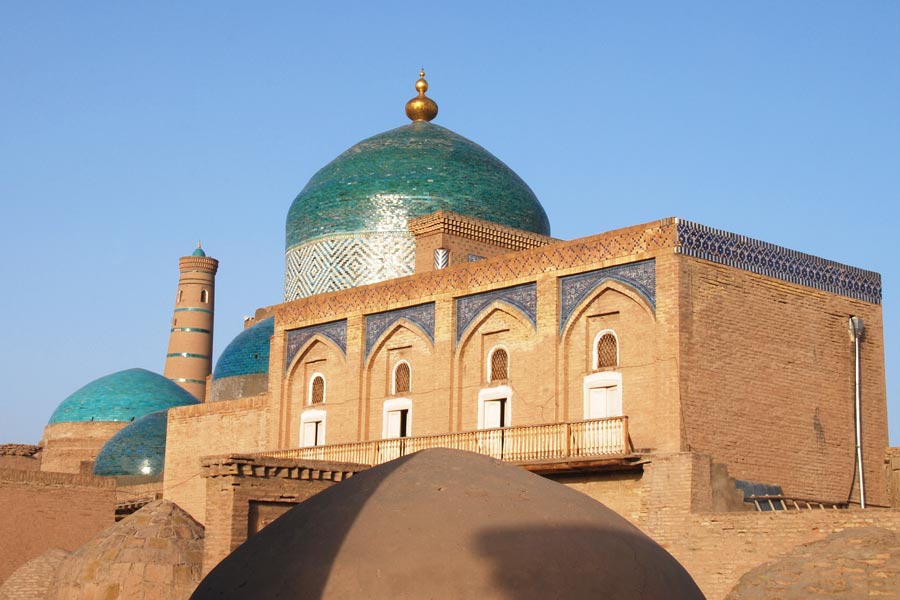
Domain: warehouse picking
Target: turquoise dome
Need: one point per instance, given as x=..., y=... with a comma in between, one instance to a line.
x=198, y=252
x=122, y=396
x=248, y=352
x=414, y=170
x=138, y=449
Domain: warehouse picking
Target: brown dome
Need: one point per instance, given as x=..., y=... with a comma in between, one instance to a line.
x=449, y=524
x=32, y=580
x=855, y=563
x=155, y=553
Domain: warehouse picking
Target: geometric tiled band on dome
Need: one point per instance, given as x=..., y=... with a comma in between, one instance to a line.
x=640, y=276
x=422, y=315
x=343, y=261
x=336, y=331
x=767, y=259
x=522, y=297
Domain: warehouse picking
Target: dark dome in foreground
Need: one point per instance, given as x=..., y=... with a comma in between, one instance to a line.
x=409, y=172
x=449, y=524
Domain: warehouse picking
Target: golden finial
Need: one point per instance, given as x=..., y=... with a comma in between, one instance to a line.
x=421, y=108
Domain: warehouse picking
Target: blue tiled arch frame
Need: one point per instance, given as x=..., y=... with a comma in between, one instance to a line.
x=573, y=289
x=421, y=315
x=523, y=298
x=336, y=331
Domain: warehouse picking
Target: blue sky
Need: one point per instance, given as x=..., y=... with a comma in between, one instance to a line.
x=132, y=130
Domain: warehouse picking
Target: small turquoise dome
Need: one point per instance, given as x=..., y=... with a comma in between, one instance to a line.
x=248, y=352
x=198, y=252
x=122, y=396
x=414, y=170
x=138, y=449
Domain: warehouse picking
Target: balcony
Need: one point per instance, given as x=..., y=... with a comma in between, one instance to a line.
x=551, y=447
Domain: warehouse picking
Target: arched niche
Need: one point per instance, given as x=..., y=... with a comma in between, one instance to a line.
x=625, y=384
x=404, y=342
x=321, y=358
x=520, y=396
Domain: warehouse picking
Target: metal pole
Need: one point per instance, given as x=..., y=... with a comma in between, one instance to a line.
x=856, y=328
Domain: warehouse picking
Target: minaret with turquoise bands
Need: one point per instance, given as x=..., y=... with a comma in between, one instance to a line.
x=189, y=358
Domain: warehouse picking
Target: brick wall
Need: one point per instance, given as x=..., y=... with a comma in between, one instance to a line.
x=244, y=494
x=204, y=429
x=49, y=510
x=767, y=382
x=67, y=445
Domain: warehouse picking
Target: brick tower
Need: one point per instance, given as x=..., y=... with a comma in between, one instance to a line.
x=189, y=358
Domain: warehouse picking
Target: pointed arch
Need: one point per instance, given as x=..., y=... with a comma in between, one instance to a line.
x=605, y=287
x=399, y=324
x=484, y=315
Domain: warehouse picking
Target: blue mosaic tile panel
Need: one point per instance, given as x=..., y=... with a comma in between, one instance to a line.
x=248, y=352
x=767, y=259
x=121, y=396
x=573, y=289
x=422, y=315
x=336, y=331
x=345, y=261
x=523, y=297
x=137, y=449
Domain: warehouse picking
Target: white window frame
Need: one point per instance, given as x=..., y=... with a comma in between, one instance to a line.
x=392, y=405
x=309, y=389
x=595, y=354
x=490, y=357
x=394, y=377
x=601, y=379
x=309, y=416
x=497, y=392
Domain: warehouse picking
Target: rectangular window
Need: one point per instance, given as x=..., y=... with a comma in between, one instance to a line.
x=398, y=423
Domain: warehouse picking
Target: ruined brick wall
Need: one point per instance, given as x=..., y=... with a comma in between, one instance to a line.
x=67, y=445
x=204, y=429
x=717, y=549
x=767, y=382
x=244, y=494
x=49, y=510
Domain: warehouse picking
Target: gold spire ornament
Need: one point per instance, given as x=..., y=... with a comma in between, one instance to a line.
x=421, y=108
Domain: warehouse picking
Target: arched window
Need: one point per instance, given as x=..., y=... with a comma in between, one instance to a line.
x=498, y=365
x=317, y=389
x=606, y=351
x=204, y=296
x=402, y=378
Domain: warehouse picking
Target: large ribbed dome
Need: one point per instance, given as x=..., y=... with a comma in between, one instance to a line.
x=348, y=225
x=122, y=396
x=408, y=172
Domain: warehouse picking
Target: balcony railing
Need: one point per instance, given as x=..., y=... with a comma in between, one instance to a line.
x=596, y=438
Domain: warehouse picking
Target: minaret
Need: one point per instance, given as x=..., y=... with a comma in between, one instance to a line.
x=189, y=359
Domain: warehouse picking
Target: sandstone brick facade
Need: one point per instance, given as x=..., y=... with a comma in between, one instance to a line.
x=246, y=493
x=205, y=429
x=49, y=510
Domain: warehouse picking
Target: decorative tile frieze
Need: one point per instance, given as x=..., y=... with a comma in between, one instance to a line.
x=767, y=259
x=650, y=237
x=336, y=331
x=422, y=315
x=441, y=258
x=573, y=289
x=522, y=297
x=344, y=261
